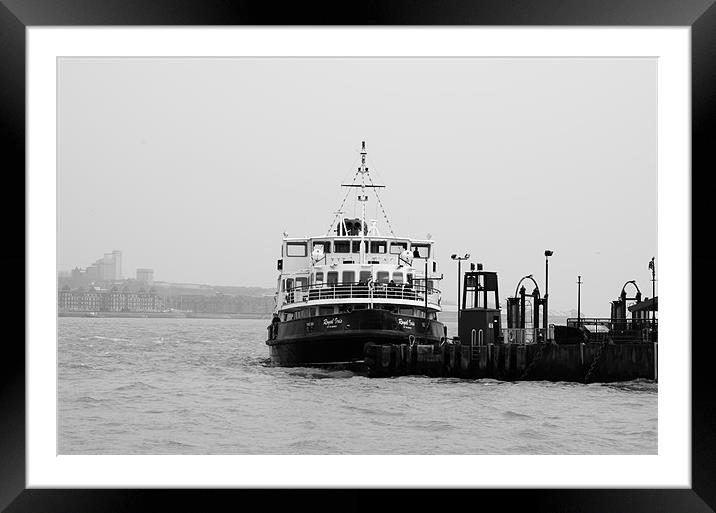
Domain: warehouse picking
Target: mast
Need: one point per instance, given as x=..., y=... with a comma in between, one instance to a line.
x=363, y=198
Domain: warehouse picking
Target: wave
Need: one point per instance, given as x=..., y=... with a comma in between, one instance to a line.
x=111, y=339
x=88, y=399
x=139, y=385
x=514, y=415
x=74, y=365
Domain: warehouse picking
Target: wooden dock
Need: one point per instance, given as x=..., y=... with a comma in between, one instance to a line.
x=583, y=362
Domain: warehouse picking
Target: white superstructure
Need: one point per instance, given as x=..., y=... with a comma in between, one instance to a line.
x=355, y=267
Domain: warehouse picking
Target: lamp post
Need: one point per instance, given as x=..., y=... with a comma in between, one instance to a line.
x=652, y=266
x=459, y=259
x=579, y=301
x=547, y=253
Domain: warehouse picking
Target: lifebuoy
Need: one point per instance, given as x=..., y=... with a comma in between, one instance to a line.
x=411, y=340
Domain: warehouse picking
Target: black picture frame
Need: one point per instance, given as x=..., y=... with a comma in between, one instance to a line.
x=17, y=15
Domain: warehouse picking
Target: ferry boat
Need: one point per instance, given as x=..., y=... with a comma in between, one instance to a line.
x=351, y=287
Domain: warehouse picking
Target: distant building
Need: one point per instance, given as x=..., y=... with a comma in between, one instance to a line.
x=146, y=276
x=107, y=268
x=114, y=300
x=117, y=260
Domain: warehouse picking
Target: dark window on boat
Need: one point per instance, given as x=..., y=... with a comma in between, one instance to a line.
x=296, y=249
x=398, y=278
x=319, y=277
x=410, y=279
x=332, y=277
x=326, y=245
x=406, y=311
x=297, y=314
x=301, y=282
x=289, y=283
x=356, y=246
x=342, y=246
x=382, y=276
x=288, y=316
x=360, y=307
x=378, y=246
x=349, y=276
x=430, y=284
x=312, y=312
x=365, y=276
x=423, y=250
x=396, y=248
x=325, y=310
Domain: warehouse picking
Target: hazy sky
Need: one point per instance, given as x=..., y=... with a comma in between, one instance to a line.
x=195, y=167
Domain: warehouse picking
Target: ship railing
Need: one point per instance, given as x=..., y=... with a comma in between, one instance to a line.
x=358, y=290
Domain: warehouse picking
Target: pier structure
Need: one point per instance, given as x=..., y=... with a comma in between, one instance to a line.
x=585, y=350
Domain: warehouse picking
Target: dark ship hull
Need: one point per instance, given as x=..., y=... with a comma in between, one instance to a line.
x=341, y=338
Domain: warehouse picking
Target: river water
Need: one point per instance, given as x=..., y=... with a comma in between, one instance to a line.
x=204, y=386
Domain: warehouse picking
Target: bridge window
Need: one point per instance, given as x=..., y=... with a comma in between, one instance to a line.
x=382, y=276
x=398, y=278
x=423, y=250
x=318, y=277
x=349, y=276
x=410, y=279
x=289, y=284
x=342, y=246
x=378, y=246
x=301, y=282
x=356, y=246
x=296, y=249
x=365, y=276
x=326, y=245
x=396, y=248
x=332, y=277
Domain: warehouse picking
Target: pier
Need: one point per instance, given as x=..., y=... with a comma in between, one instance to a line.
x=586, y=350
x=583, y=362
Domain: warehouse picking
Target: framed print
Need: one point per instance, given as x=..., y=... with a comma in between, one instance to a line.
x=184, y=291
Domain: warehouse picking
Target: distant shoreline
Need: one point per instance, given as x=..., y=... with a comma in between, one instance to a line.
x=163, y=315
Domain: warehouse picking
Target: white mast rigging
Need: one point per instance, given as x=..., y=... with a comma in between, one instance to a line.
x=363, y=197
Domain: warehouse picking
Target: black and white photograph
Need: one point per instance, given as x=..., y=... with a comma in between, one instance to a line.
x=321, y=256
x=357, y=256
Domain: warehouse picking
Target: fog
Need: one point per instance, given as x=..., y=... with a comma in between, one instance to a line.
x=195, y=167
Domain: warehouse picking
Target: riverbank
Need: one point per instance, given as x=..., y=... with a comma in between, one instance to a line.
x=166, y=315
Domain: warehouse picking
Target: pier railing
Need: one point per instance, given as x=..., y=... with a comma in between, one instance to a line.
x=617, y=330
x=361, y=291
x=523, y=336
